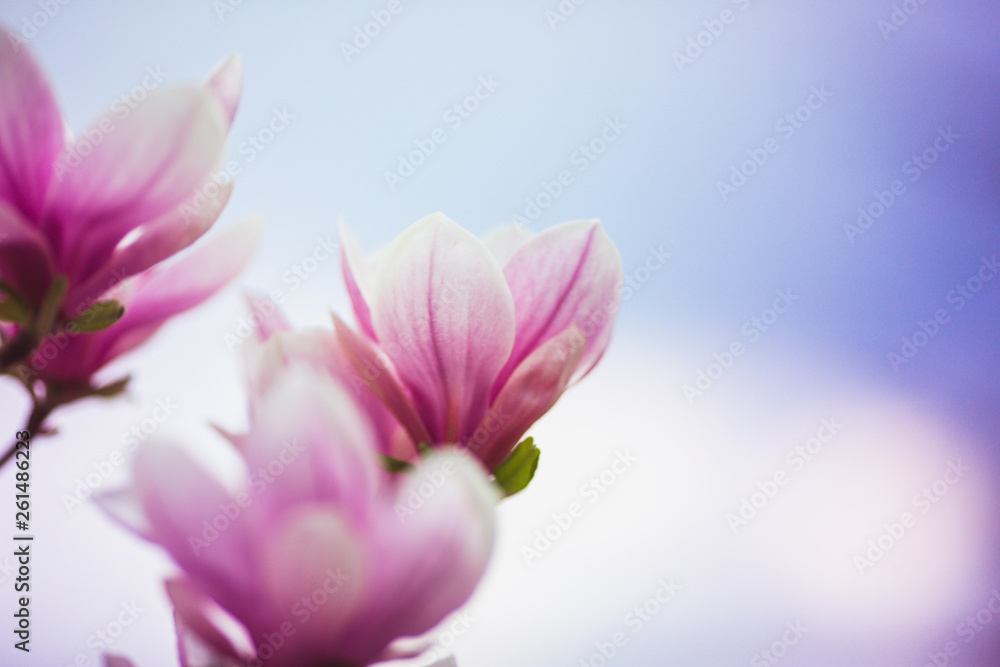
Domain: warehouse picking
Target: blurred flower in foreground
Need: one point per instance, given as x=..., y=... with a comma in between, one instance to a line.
x=277, y=346
x=323, y=556
x=471, y=342
x=82, y=221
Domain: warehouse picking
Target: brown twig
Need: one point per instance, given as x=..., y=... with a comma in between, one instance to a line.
x=39, y=414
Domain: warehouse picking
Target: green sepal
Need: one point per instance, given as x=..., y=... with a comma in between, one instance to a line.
x=51, y=304
x=112, y=389
x=98, y=317
x=514, y=474
x=12, y=310
x=395, y=465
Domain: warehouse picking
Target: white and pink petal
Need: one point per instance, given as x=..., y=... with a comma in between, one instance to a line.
x=567, y=275
x=130, y=168
x=31, y=128
x=442, y=302
x=534, y=387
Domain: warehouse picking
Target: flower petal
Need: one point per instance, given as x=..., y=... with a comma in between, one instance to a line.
x=265, y=361
x=31, y=128
x=200, y=640
x=504, y=241
x=117, y=661
x=433, y=556
x=375, y=371
x=193, y=651
x=156, y=241
x=25, y=261
x=357, y=278
x=125, y=506
x=226, y=84
x=183, y=504
x=153, y=297
x=568, y=274
x=320, y=349
x=270, y=319
x=404, y=648
x=532, y=389
x=316, y=555
x=199, y=274
x=441, y=300
x=125, y=171
x=306, y=425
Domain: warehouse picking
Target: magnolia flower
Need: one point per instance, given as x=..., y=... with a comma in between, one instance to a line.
x=84, y=223
x=323, y=556
x=275, y=347
x=150, y=299
x=80, y=216
x=471, y=342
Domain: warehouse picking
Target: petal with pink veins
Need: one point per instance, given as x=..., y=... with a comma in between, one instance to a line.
x=442, y=301
x=156, y=241
x=568, y=274
x=143, y=166
x=31, y=128
x=534, y=387
x=357, y=278
x=374, y=369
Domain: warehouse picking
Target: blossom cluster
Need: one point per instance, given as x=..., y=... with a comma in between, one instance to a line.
x=374, y=453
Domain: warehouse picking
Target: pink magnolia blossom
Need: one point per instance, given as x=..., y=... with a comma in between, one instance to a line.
x=323, y=556
x=276, y=347
x=133, y=189
x=150, y=299
x=471, y=342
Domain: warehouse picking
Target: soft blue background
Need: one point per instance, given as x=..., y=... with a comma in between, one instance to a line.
x=654, y=186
